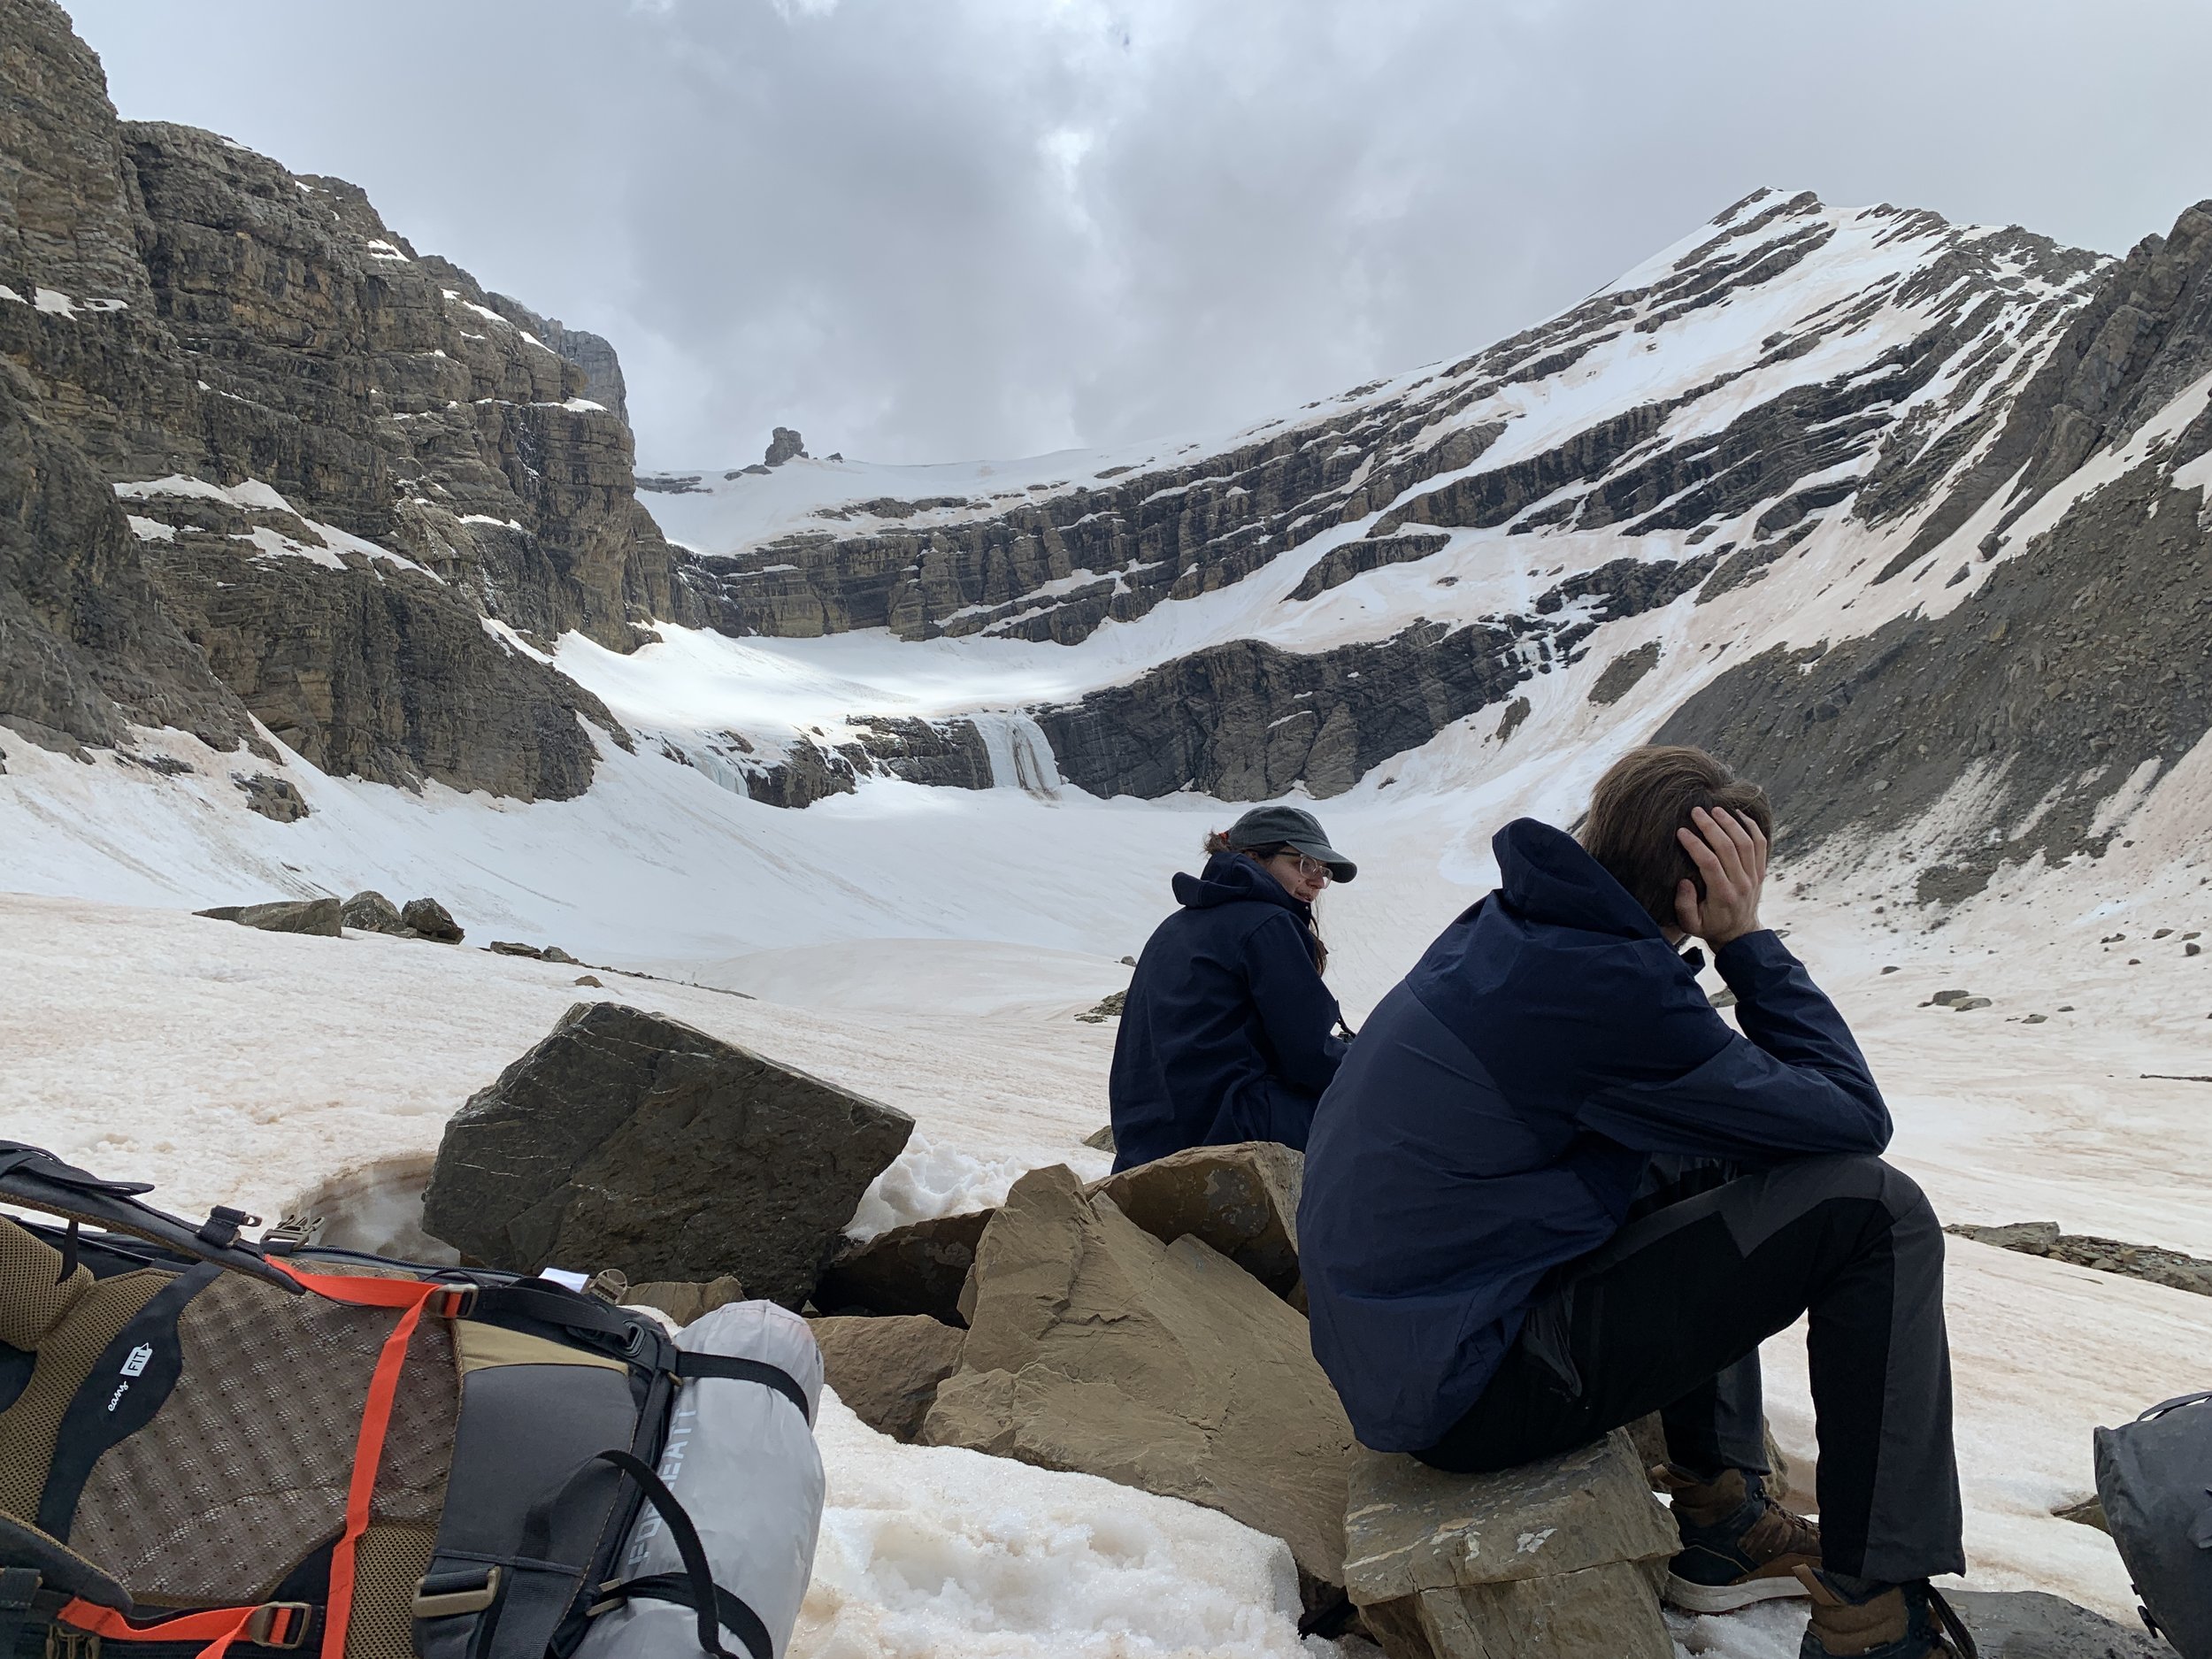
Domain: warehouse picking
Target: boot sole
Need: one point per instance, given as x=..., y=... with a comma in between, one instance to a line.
x=1726, y=1598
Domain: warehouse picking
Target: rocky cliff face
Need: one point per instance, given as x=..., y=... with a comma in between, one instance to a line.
x=355, y=489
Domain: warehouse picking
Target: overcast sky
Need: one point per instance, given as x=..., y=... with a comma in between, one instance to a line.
x=941, y=229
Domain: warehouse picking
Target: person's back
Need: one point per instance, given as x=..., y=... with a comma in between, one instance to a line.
x=1601, y=1199
x=1226, y=1032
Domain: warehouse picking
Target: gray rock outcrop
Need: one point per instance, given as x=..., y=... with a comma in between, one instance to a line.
x=1240, y=1200
x=631, y=1141
x=321, y=916
x=784, y=445
x=1093, y=1347
x=2031, y=1624
x=1558, y=1559
x=886, y=1371
x=916, y=1269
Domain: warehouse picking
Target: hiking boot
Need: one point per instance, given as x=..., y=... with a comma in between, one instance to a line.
x=1857, y=1618
x=1739, y=1546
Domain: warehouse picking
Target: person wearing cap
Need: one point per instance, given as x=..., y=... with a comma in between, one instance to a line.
x=1228, y=1032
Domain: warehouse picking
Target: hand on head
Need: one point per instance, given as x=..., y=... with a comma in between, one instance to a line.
x=1731, y=853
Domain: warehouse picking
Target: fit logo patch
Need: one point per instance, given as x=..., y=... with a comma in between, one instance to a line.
x=135, y=1364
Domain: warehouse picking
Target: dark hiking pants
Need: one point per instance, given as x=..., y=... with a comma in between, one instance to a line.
x=1667, y=1316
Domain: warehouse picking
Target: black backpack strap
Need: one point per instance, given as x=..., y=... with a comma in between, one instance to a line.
x=690, y=1365
x=716, y=1607
x=35, y=1178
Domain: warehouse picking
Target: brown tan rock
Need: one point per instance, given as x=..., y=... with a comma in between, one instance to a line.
x=1557, y=1559
x=1094, y=1346
x=887, y=1370
x=1242, y=1200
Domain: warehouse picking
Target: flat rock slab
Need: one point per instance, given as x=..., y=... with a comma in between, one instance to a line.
x=2029, y=1625
x=886, y=1371
x=1242, y=1200
x=1094, y=1346
x=1556, y=1559
x=321, y=917
x=631, y=1141
x=918, y=1268
x=682, y=1301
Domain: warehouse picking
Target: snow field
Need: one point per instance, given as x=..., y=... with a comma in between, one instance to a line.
x=929, y=1550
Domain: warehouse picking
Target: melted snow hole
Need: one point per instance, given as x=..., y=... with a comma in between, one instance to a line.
x=375, y=1207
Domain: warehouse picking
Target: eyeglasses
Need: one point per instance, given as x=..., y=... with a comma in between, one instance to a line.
x=1309, y=869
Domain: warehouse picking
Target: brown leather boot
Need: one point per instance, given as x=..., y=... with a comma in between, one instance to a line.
x=1855, y=1619
x=1739, y=1546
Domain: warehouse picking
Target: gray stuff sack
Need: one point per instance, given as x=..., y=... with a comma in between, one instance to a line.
x=742, y=1463
x=2154, y=1479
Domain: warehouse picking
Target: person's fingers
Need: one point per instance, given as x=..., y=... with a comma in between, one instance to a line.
x=1758, y=842
x=1701, y=854
x=1726, y=852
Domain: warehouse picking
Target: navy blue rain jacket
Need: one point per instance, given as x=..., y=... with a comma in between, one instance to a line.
x=1493, y=1118
x=1227, y=1032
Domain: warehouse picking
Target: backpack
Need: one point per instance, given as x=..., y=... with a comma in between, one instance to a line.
x=211, y=1446
x=2154, y=1479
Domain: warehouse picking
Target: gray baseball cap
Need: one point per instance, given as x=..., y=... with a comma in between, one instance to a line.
x=1290, y=826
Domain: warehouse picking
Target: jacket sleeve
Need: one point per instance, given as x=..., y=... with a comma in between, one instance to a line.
x=1795, y=1083
x=1296, y=1009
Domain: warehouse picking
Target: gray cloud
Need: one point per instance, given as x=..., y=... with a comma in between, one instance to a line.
x=928, y=229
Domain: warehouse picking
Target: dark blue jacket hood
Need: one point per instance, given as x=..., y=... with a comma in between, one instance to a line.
x=1226, y=1032
x=1502, y=1102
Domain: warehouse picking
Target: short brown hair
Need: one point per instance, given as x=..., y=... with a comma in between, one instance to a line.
x=1644, y=797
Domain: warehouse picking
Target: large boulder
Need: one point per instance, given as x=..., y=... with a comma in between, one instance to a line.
x=1242, y=1200
x=631, y=1141
x=369, y=911
x=1094, y=1346
x=681, y=1300
x=918, y=1268
x=430, y=919
x=886, y=1371
x=1557, y=1559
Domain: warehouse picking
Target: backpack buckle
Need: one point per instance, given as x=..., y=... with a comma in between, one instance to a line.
x=279, y=1624
x=453, y=1301
x=460, y=1590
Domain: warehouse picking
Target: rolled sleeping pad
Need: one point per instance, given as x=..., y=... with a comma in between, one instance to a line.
x=740, y=1459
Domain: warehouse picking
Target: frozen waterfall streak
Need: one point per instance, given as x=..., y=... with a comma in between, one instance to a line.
x=1021, y=756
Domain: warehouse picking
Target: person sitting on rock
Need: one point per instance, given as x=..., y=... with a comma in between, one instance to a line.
x=1551, y=1191
x=1228, y=1033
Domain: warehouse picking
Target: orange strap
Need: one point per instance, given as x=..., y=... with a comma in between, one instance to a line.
x=221, y=1626
x=409, y=1295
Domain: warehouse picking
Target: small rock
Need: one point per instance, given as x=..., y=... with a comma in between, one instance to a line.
x=1944, y=999
x=2035, y=1019
x=432, y=920
x=1966, y=1003
x=1892, y=969
x=1723, y=998
x=2193, y=950
x=2031, y=1625
x=2087, y=1512
x=685, y=1300
x=554, y=953
x=2065, y=1008
x=2034, y=1237
x=886, y=1371
x=275, y=798
x=590, y=980
x=1128, y=961
x=369, y=911
x=1110, y=1007
x=2135, y=962
x=1101, y=1140
x=2161, y=932
x=918, y=1268
x=510, y=947
x=629, y=1140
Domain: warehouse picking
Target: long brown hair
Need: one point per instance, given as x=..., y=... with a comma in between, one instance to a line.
x=1643, y=798
x=1218, y=842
